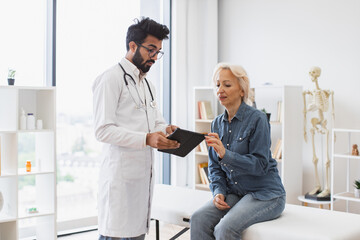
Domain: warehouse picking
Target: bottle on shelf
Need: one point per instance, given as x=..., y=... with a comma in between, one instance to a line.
x=28, y=166
x=30, y=121
x=22, y=119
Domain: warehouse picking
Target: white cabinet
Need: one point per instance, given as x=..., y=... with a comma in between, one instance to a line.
x=341, y=156
x=24, y=190
x=289, y=130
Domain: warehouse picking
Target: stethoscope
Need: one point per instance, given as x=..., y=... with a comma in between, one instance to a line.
x=141, y=104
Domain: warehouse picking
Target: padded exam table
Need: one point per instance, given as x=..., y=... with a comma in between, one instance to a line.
x=175, y=205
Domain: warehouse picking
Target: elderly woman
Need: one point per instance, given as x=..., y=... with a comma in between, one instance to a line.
x=245, y=182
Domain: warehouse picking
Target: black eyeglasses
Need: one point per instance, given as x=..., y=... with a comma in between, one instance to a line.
x=152, y=52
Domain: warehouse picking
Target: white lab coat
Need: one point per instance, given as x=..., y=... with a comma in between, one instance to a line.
x=126, y=171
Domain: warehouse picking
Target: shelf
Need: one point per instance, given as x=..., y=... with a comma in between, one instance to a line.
x=346, y=130
x=346, y=196
x=204, y=121
x=5, y=174
x=39, y=214
x=201, y=154
x=200, y=186
x=7, y=131
x=347, y=156
x=36, y=131
x=22, y=172
x=26, y=87
x=5, y=218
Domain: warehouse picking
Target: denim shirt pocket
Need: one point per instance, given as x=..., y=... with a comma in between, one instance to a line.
x=241, y=143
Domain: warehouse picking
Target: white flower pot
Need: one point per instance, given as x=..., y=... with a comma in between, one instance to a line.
x=357, y=193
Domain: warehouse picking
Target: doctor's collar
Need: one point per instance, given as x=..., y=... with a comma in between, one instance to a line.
x=134, y=70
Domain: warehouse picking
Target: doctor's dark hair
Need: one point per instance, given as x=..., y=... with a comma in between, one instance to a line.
x=144, y=27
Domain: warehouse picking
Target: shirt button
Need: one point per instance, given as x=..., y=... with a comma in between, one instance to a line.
x=240, y=138
x=229, y=131
x=224, y=164
x=227, y=144
x=235, y=182
x=231, y=170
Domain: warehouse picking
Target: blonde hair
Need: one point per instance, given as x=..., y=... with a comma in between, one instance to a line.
x=240, y=73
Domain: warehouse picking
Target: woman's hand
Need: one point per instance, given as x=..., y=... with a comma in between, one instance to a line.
x=214, y=141
x=219, y=202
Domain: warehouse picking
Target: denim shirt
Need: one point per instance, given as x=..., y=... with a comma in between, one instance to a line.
x=247, y=166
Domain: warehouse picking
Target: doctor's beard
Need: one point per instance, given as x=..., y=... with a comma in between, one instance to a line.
x=137, y=60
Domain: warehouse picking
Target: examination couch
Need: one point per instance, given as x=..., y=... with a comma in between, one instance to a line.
x=175, y=205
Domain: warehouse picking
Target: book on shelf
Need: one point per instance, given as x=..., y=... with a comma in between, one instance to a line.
x=203, y=147
x=206, y=170
x=203, y=172
x=205, y=110
x=277, y=150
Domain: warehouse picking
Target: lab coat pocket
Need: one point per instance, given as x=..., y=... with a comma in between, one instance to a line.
x=133, y=165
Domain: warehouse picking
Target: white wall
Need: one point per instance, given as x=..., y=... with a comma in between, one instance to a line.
x=276, y=41
x=279, y=41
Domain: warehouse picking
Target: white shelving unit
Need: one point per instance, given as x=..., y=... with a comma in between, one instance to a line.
x=203, y=126
x=344, y=157
x=23, y=189
x=289, y=130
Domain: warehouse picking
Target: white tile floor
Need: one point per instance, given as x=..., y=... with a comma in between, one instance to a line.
x=167, y=231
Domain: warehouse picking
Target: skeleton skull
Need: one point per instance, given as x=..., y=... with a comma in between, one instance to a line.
x=315, y=73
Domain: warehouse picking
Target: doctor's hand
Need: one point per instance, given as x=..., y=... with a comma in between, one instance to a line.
x=159, y=140
x=219, y=202
x=171, y=128
x=214, y=141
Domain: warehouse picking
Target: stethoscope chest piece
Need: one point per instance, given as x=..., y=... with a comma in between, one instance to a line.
x=153, y=104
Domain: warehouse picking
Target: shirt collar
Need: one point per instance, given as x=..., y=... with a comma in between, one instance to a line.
x=239, y=114
x=131, y=68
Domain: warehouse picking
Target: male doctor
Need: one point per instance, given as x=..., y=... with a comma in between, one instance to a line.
x=128, y=122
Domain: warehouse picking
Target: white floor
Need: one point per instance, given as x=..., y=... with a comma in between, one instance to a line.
x=167, y=231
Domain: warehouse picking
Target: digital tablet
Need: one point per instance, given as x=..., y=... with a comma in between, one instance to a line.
x=188, y=141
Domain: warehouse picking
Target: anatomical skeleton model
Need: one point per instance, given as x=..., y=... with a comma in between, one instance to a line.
x=319, y=102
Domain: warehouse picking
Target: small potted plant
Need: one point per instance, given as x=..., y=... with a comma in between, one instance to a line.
x=267, y=114
x=11, y=76
x=357, y=188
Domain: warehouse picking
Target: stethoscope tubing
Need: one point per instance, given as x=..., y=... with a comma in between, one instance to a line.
x=152, y=103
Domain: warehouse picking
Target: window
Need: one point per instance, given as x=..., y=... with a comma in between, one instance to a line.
x=22, y=42
x=90, y=39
